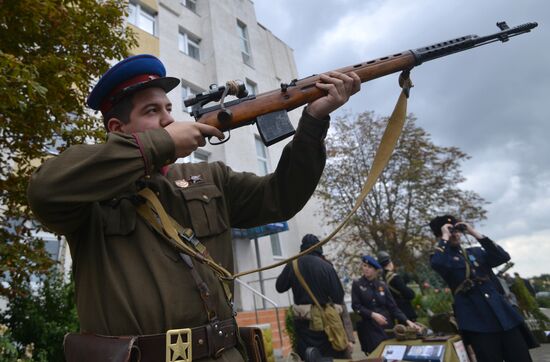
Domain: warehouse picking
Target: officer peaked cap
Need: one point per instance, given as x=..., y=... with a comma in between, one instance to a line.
x=367, y=259
x=128, y=76
x=439, y=221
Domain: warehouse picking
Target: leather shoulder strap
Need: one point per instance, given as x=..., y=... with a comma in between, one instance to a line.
x=303, y=283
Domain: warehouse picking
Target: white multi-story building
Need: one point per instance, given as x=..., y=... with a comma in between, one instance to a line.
x=204, y=42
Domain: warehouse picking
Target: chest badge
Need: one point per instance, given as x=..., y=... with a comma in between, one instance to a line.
x=381, y=291
x=364, y=289
x=181, y=183
x=195, y=179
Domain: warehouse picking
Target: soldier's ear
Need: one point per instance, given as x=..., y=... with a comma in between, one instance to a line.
x=115, y=125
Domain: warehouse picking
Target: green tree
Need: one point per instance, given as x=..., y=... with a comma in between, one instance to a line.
x=42, y=316
x=420, y=181
x=528, y=304
x=8, y=348
x=541, y=283
x=50, y=52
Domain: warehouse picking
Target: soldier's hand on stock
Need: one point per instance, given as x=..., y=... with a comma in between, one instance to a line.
x=339, y=88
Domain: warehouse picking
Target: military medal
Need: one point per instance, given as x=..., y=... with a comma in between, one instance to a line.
x=181, y=183
x=195, y=179
x=381, y=290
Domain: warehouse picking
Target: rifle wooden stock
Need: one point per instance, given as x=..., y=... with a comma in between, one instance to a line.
x=303, y=91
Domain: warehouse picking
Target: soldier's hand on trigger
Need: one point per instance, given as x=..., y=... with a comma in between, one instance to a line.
x=339, y=88
x=188, y=136
x=379, y=318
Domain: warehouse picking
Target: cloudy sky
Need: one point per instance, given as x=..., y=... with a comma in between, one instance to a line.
x=491, y=102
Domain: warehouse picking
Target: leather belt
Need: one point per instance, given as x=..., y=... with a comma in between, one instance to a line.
x=468, y=283
x=209, y=340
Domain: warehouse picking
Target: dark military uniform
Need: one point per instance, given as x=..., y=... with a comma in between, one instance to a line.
x=368, y=297
x=325, y=285
x=481, y=311
x=129, y=281
x=402, y=294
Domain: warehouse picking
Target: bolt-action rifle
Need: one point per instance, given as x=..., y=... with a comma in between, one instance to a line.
x=269, y=110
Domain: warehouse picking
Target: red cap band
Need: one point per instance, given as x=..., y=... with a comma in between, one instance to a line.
x=107, y=104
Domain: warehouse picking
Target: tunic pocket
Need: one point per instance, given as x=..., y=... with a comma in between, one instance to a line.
x=119, y=217
x=204, y=203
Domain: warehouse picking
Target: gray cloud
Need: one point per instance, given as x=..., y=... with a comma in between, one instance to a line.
x=491, y=102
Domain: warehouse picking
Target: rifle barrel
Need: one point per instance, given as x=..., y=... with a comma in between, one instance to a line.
x=452, y=46
x=303, y=91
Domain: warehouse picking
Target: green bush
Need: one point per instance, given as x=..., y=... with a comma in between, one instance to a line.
x=9, y=351
x=41, y=316
x=432, y=301
x=529, y=306
x=544, y=302
x=289, y=327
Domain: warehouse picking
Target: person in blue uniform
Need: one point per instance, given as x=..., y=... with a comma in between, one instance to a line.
x=486, y=320
x=402, y=294
x=373, y=301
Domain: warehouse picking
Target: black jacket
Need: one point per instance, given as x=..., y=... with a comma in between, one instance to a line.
x=402, y=294
x=319, y=275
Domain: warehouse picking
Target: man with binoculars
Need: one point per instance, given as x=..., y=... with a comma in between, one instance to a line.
x=486, y=320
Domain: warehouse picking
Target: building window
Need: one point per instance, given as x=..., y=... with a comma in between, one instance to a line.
x=187, y=91
x=190, y=4
x=251, y=87
x=261, y=156
x=189, y=44
x=245, y=42
x=141, y=18
x=196, y=157
x=53, y=247
x=276, y=245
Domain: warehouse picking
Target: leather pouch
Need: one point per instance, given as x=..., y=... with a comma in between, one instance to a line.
x=254, y=343
x=92, y=348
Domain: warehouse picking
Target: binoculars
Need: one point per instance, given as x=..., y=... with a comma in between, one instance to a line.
x=459, y=227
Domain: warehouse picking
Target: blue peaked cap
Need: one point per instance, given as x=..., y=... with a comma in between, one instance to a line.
x=370, y=260
x=130, y=75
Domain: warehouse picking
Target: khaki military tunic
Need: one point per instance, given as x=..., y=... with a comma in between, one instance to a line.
x=129, y=281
